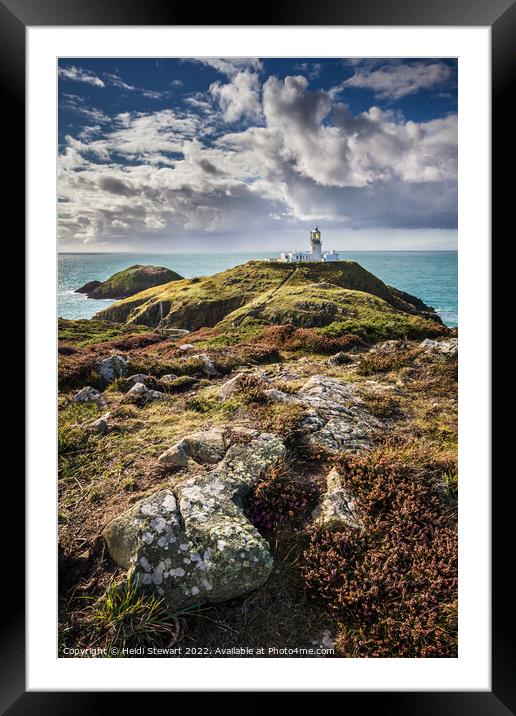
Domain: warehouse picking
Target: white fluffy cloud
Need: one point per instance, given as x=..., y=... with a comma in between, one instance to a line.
x=240, y=97
x=394, y=81
x=307, y=159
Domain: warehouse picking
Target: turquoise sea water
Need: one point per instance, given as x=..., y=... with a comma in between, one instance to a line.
x=429, y=275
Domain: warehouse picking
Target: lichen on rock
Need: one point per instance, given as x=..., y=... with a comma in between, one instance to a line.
x=195, y=544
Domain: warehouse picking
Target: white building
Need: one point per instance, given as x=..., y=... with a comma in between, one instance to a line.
x=313, y=254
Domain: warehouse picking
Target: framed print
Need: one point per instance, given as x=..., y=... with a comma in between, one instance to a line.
x=258, y=270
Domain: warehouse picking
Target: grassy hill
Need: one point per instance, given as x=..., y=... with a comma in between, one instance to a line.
x=304, y=295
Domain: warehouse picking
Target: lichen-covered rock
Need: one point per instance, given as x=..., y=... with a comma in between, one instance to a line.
x=205, y=446
x=112, y=367
x=337, y=507
x=196, y=545
x=446, y=347
x=139, y=394
x=89, y=395
x=336, y=418
x=138, y=378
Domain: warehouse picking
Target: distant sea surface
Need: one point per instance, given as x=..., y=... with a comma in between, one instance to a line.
x=429, y=275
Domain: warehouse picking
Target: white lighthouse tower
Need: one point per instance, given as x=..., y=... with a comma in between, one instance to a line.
x=315, y=244
x=314, y=253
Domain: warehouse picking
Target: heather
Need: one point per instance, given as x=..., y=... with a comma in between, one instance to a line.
x=392, y=583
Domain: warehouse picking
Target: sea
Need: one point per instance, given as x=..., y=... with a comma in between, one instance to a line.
x=429, y=275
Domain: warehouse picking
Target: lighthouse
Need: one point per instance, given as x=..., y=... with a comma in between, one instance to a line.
x=314, y=253
x=315, y=244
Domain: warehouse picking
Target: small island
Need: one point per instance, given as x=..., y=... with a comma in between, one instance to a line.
x=129, y=281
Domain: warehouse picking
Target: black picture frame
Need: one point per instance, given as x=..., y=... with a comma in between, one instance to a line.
x=500, y=16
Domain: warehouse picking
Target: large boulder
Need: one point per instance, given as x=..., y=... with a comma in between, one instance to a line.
x=194, y=544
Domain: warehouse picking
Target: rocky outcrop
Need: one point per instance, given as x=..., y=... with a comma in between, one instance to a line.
x=194, y=544
x=336, y=417
x=129, y=281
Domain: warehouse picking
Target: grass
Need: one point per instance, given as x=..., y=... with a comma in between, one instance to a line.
x=85, y=332
x=126, y=618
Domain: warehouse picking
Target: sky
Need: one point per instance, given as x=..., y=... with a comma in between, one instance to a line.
x=229, y=154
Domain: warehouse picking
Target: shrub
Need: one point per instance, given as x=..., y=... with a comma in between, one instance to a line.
x=371, y=363
x=377, y=326
x=310, y=340
x=281, y=500
x=393, y=583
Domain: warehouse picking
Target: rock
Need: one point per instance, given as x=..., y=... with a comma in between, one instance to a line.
x=174, y=457
x=139, y=378
x=447, y=347
x=205, y=446
x=141, y=395
x=208, y=366
x=339, y=358
x=112, y=367
x=324, y=640
x=232, y=386
x=185, y=346
x=336, y=416
x=89, y=395
x=88, y=287
x=337, y=507
x=101, y=425
x=197, y=545
x=168, y=378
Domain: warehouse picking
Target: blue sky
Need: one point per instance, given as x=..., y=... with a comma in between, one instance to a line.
x=242, y=153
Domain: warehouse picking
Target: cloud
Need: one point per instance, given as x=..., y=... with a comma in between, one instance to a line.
x=230, y=66
x=397, y=80
x=305, y=158
x=79, y=75
x=239, y=98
